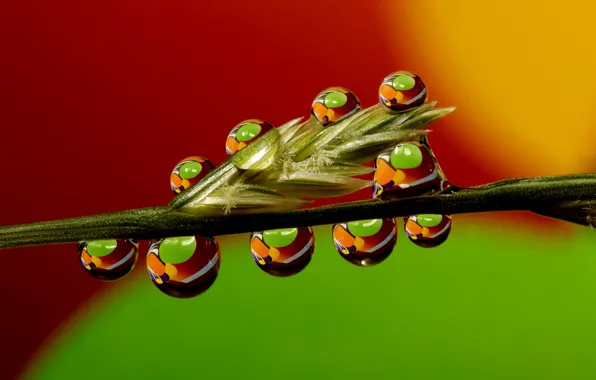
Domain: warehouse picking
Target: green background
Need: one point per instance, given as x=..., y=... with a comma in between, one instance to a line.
x=491, y=303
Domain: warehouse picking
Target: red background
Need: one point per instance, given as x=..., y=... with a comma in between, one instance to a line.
x=99, y=100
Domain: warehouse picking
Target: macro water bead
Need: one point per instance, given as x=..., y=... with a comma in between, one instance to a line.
x=408, y=168
x=283, y=252
x=365, y=242
x=245, y=133
x=334, y=104
x=428, y=230
x=188, y=172
x=402, y=91
x=108, y=260
x=183, y=267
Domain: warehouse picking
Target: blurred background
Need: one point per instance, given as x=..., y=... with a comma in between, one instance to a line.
x=100, y=99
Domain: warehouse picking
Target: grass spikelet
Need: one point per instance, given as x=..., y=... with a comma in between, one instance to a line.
x=242, y=198
x=303, y=159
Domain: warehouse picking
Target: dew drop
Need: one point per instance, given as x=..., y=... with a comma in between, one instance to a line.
x=365, y=242
x=334, y=104
x=108, y=260
x=428, y=230
x=283, y=252
x=402, y=91
x=245, y=133
x=183, y=267
x=188, y=172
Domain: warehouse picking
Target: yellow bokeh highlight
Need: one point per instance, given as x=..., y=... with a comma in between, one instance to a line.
x=522, y=75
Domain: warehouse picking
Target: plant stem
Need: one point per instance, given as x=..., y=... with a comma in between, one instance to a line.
x=543, y=195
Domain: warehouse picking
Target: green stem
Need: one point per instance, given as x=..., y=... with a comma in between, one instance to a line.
x=550, y=196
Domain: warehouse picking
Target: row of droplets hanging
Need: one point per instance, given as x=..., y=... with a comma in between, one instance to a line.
x=185, y=267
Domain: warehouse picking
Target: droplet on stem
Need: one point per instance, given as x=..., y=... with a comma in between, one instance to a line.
x=245, y=133
x=334, y=104
x=283, y=252
x=184, y=267
x=402, y=90
x=428, y=230
x=188, y=172
x=365, y=242
x=108, y=260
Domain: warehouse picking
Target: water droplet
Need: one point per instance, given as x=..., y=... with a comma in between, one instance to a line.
x=428, y=230
x=365, y=242
x=283, y=252
x=108, y=260
x=334, y=104
x=245, y=133
x=183, y=267
x=402, y=90
x=188, y=172
x=407, y=169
